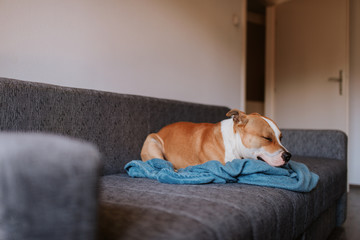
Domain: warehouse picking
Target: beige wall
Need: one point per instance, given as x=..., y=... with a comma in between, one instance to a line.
x=354, y=133
x=187, y=50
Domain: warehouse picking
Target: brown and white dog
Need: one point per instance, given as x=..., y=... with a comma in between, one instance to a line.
x=241, y=136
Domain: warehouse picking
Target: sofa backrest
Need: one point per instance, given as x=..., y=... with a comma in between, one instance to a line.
x=117, y=123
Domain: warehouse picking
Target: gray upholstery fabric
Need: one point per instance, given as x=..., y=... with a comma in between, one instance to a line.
x=47, y=187
x=316, y=143
x=322, y=226
x=341, y=208
x=145, y=209
x=117, y=123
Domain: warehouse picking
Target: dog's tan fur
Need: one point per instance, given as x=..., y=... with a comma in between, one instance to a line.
x=187, y=144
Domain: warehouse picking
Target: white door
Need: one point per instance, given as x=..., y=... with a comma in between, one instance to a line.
x=311, y=52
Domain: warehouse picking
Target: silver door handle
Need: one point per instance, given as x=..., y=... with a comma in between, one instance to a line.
x=339, y=80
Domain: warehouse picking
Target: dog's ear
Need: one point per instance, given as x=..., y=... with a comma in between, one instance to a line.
x=238, y=116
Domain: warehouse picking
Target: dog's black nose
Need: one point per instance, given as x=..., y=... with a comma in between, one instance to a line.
x=286, y=156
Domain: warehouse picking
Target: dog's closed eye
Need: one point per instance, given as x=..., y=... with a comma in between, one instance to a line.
x=268, y=139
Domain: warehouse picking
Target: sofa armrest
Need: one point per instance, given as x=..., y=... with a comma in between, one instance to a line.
x=48, y=187
x=316, y=143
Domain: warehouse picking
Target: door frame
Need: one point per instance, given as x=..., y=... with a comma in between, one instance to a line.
x=269, y=103
x=243, y=29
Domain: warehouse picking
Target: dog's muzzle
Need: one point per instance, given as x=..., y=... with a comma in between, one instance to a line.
x=286, y=156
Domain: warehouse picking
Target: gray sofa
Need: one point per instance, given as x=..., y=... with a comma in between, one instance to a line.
x=64, y=177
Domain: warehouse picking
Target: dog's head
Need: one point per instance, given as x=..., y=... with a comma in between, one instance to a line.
x=260, y=138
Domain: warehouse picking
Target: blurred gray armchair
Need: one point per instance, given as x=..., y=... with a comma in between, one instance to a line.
x=48, y=187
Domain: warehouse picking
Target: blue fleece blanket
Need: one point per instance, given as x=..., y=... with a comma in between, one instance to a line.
x=293, y=176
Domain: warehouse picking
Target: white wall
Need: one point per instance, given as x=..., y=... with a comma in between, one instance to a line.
x=187, y=50
x=354, y=133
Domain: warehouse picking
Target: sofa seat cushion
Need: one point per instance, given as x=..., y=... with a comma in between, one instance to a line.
x=138, y=208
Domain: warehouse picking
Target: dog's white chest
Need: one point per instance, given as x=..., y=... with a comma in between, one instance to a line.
x=231, y=140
